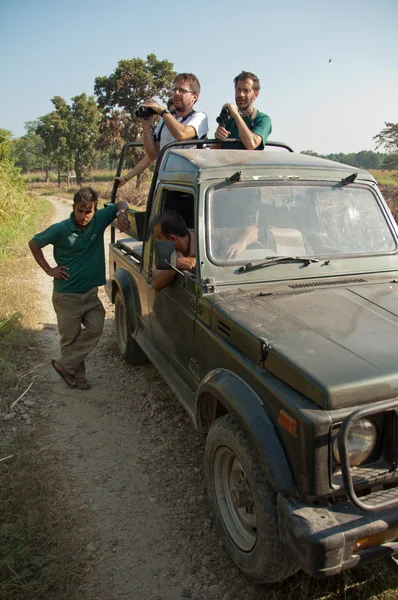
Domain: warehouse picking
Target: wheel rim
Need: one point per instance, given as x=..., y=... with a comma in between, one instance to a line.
x=121, y=326
x=232, y=489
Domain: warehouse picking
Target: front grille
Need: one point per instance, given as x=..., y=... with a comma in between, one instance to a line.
x=326, y=283
x=361, y=475
x=377, y=499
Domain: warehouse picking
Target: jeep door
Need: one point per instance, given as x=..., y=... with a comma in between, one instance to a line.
x=173, y=309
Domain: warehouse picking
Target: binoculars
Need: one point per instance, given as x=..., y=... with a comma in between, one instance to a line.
x=144, y=112
x=223, y=117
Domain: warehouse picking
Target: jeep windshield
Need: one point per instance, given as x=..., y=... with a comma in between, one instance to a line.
x=255, y=222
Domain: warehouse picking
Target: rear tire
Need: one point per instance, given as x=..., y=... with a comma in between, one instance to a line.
x=244, y=504
x=128, y=347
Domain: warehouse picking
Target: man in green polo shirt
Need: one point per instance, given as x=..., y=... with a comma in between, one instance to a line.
x=78, y=249
x=245, y=122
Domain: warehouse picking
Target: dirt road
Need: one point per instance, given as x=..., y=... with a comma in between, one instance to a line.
x=135, y=465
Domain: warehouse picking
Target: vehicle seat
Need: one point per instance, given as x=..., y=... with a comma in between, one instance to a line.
x=287, y=242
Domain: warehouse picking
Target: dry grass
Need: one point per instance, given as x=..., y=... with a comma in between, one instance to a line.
x=385, y=177
x=18, y=221
x=41, y=540
x=128, y=192
x=19, y=312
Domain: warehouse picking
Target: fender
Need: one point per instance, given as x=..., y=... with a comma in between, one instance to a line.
x=123, y=281
x=238, y=398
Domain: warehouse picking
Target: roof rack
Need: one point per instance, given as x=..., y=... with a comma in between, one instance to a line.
x=175, y=144
x=180, y=144
x=279, y=145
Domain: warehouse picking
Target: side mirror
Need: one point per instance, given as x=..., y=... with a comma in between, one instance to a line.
x=165, y=255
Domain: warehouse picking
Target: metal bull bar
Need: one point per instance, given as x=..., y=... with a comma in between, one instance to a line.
x=379, y=500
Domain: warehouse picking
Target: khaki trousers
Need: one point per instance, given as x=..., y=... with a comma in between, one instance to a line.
x=73, y=311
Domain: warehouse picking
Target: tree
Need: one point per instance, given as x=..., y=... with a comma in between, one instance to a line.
x=28, y=149
x=84, y=134
x=309, y=153
x=365, y=159
x=53, y=128
x=121, y=93
x=388, y=139
x=70, y=134
x=110, y=141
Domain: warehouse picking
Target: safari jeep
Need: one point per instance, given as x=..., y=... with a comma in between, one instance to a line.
x=284, y=350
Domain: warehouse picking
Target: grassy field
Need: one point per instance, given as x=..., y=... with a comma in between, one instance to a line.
x=385, y=177
x=40, y=176
x=21, y=215
x=129, y=192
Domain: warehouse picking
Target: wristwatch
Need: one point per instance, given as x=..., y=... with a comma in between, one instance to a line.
x=119, y=212
x=163, y=112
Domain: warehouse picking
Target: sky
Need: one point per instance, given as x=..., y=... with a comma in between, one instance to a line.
x=51, y=48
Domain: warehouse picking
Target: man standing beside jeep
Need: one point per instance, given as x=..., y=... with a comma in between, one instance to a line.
x=78, y=249
x=243, y=121
x=186, y=124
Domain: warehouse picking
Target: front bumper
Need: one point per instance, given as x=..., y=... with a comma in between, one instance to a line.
x=323, y=538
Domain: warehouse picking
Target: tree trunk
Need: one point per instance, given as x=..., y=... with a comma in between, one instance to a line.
x=59, y=177
x=47, y=174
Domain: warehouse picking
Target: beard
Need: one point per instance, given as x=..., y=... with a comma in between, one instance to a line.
x=180, y=105
x=243, y=106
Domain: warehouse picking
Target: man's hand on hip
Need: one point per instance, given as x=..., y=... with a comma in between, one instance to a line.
x=58, y=272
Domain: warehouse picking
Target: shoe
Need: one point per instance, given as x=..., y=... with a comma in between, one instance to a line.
x=82, y=384
x=69, y=379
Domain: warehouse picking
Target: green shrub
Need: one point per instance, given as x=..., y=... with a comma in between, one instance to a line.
x=19, y=210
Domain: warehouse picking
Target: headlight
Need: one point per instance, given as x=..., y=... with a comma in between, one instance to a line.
x=361, y=441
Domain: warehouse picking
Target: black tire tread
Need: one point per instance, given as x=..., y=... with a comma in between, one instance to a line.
x=132, y=353
x=277, y=562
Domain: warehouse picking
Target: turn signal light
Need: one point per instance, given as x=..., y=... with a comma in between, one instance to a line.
x=391, y=535
x=287, y=422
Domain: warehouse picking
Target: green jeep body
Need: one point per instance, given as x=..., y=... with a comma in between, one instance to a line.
x=293, y=357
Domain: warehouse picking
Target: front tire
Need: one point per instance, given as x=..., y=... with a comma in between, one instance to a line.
x=244, y=504
x=128, y=347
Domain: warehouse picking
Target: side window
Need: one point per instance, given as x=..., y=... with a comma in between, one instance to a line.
x=181, y=201
x=178, y=200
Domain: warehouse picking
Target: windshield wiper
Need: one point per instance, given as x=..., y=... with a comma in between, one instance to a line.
x=269, y=260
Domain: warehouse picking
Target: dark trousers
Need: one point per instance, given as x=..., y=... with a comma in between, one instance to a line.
x=80, y=324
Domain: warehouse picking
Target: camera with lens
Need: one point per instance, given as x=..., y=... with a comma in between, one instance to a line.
x=223, y=117
x=144, y=112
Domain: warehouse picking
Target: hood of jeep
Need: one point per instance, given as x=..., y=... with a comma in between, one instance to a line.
x=338, y=347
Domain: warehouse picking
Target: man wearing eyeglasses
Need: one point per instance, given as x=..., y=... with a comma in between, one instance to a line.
x=186, y=124
x=245, y=122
